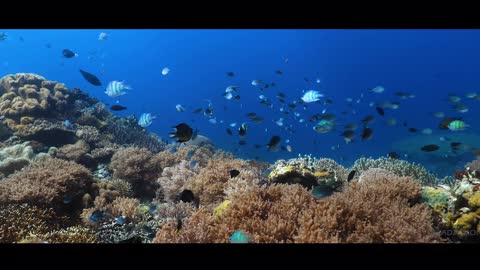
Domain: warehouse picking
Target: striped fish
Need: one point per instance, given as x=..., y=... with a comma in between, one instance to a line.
x=146, y=120
x=312, y=96
x=116, y=89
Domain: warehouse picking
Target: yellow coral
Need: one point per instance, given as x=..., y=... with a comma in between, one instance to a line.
x=280, y=171
x=474, y=201
x=220, y=210
x=465, y=223
x=321, y=173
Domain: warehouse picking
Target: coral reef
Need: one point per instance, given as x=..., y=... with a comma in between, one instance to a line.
x=210, y=183
x=48, y=132
x=382, y=210
x=75, y=234
x=135, y=165
x=19, y=221
x=30, y=95
x=126, y=131
x=16, y=157
x=73, y=152
x=474, y=165
x=398, y=167
x=173, y=180
x=308, y=172
x=457, y=207
x=53, y=182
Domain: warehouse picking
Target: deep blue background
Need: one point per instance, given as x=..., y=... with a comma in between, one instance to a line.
x=427, y=63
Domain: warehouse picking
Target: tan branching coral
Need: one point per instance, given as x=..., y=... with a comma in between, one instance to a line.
x=73, y=152
x=89, y=134
x=70, y=235
x=47, y=182
x=212, y=180
x=267, y=214
x=135, y=165
x=124, y=206
x=380, y=210
x=18, y=221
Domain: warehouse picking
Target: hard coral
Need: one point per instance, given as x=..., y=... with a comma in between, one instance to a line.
x=16, y=157
x=372, y=211
x=73, y=152
x=52, y=133
x=212, y=181
x=48, y=182
x=30, y=95
x=268, y=214
x=18, y=221
x=173, y=180
x=135, y=166
x=398, y=167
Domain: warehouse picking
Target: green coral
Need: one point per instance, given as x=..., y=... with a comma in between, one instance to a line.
x=436, y=197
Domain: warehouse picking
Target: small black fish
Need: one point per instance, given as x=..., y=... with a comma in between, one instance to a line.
x=278, y=72
x=328, y=101
x=197, y=111
x=257, y=146
x=272, y=84
x=229, y=132
x=273, y=143
x=251, y=115
x=393, y=155
x=455, y=146
x=178, y=227
x=368, y=119
x=380, y=111
x=68, y=53
x=367, y=133
x=351, y=175
x=234, y=173
x=230, y=74
x=185, y=196
x=412, y=130
x=237, y=97
x=430, y=148
x=183, y=132
x=281, y=100
x=405, y=123
x=284, y=148
x=242, y=142
x=118, y=108
x=266, y=86
x=48, y=45
x=91, y=78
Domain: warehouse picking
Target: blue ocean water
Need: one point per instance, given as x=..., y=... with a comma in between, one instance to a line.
x=431, y=64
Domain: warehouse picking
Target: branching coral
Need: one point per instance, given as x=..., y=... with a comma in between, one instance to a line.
x=398, y=167
x=135, y=165
x=73, y=152
x=380, y=210
x=74, y=234
x=125, y=207
x=89, y=134
x=212, y=181
x=18, y=221
x=268, y=214
x=126, y=131
x=173, y=180
x=47, y=182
